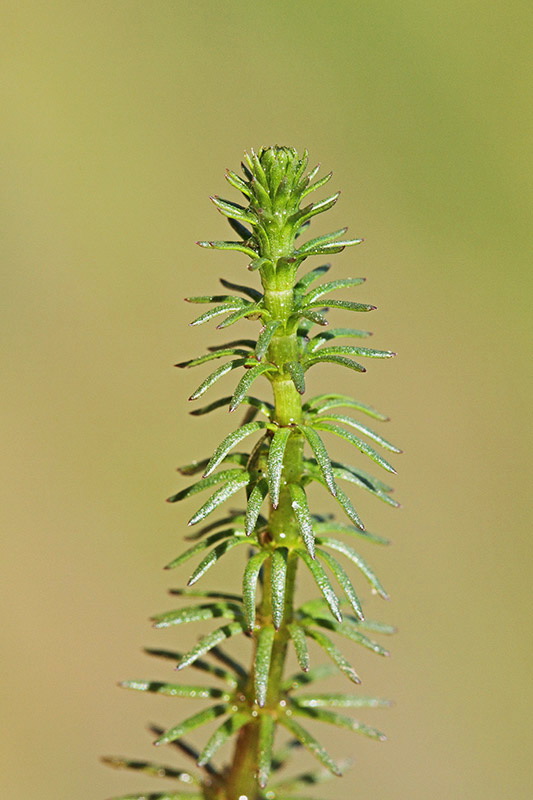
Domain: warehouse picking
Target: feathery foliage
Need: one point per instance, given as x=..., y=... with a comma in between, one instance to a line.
x=289, y=442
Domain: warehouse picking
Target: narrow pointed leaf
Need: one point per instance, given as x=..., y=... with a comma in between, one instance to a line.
x=348, y=350
x=229, y=661
x=229, y=443
x=313, y=316
x=324, y=402
x=229, y=246
x=176, y=690
x=240, y=229
x=225, y=308
x=305, y=678
x=307, y=279
x=331, y=286
x=317, y=208
x=350, y=631
x=318, y=241
x=278, y=577
x=249, y=585
x=342, y=361
x=196, y=467
x=215, y=555
x=228, y=351
x=252, y=293
x=207, y=715
x=263, y=654
x=214, y=376
x=276, y=453
x=300, y=645
x=253, y=507
x=350, y=553
x=340, y=720
x=246, y=381
x=185, y=749
x=266, y=742
x=303, y=516
x=334, y=653
x=362, y=428
x=265, y=337
x=335, y=333
x=197, y=614
x=344, y=581
x=317, y=185
x=154, y=770
x=228, y=728
x=323, y=583
x=233, y=210
x=360, y=479
x=348, y=436
x=346, y=305
x=237, y=183
x=296, y=371
x=200, y=547
x=199, y=664
x=206, y=483
x=321, y=455
x=335, y=700
x=220, y=496
x=309, y=742
x=206, y=643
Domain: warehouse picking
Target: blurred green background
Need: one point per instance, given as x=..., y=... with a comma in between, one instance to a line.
x=119, y=119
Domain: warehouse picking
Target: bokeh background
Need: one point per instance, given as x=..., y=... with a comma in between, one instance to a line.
x=119, y=119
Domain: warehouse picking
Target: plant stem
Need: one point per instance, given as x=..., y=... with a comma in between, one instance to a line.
x=282, y=532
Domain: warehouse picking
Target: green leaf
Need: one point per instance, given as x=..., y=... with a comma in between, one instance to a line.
x=305, y=678
x=335, y=333
x=300, y=645
x=339, y=720
x=276, y=453
x=206, y=483
x=336, y=527
x=252, y=293
x=176, y=689
x=199, y=664
x=239, y=246
x=230, y=441
x=315, y=208
x=346, y=550
x=313, y=244
x=263, y=655
x=321, y=455
x=225, y=308
x=240, y=229
x=199, y=466
x=155, y=770
x=350, y=631
x=233, y=210
x=229, y=299
x=323, y=583
x=200, y=546
x=296, y=371
x=307, y=279
x=213, y=556
x=260, y=405
x=339, y=701
x=229, y=351
x=350, y=437
x=237, y=183
x=363, y=429
x=228, y=728
x=207, y=715
x=210, y=641
x=265, y=337
x=342, y=361
x=309, y=742
x=345, y=305
x=251, y=310
x=185, y=749
x=334, y=653
x=331, y=286
x=313, y=316
x=364, y=481
x=278, y=577
x=220, y=496
x=197, y=614
x=246, y=381
x=317, y=185
x=249, y=585
x=253, y=507
x=214, y=376
x=266, y=741
x=232, y=663
x=303, y=516
x=344, y=581
x=343, y=499
x=324, y=402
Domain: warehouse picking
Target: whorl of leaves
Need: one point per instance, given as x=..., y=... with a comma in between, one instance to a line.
x=276, y=186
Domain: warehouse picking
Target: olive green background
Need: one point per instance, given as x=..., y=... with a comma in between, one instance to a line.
x=119, y=119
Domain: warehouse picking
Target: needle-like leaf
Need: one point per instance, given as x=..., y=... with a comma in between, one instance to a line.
x=266, y=742
x=303, y=516
x=228, y=728
x=278, y=578
x=276, y=453
x=349, y=552
x=263, y=654
x=210, y=641
x=207, y=715
x=249, y=585
x=230, y=441
x=310, y=743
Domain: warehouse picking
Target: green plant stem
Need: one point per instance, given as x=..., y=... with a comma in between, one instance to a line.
x=283, y=532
